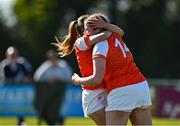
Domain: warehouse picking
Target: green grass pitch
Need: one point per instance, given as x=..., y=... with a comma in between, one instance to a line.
x=82, y=121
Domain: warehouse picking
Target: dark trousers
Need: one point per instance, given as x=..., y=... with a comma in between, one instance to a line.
x=48, y=99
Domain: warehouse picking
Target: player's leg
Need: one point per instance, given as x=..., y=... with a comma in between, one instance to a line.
x=94, y=102
x=141, y=116
x=99, y=117
x=117, y=118
x=119, y=106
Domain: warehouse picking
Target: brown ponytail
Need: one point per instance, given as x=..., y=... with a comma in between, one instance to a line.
x=75, y=30
x=66, y=46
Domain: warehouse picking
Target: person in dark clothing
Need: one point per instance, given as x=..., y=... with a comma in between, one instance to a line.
x=16, y=70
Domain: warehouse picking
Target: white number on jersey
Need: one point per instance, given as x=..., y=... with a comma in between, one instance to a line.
x=123, y=48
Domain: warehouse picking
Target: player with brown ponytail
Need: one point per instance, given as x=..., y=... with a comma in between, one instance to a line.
x=93, y=97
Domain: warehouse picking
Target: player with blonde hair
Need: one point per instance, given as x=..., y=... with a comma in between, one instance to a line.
x=81, y=38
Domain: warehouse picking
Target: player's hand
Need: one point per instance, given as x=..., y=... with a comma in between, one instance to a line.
x=75, y=79
x=96, y=22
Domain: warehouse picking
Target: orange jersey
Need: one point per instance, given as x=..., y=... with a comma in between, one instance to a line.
x=84, y=58
x=121, y=69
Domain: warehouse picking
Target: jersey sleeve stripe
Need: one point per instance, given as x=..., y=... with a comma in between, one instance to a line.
x=119, y=38
x=99, y=56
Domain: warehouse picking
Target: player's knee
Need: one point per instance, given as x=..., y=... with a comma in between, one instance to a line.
x=99, y=119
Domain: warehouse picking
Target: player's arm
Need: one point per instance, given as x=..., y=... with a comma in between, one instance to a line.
x=93, y=39
x=99, y=53
x=99, y=23
x=114, y=28
x=85, y=42
x=99, y=66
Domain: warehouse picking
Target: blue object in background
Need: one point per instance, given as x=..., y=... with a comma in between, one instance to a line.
x=17, y=100
x=72, y=104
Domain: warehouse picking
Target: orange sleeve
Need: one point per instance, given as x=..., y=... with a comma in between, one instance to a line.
x=86, y=39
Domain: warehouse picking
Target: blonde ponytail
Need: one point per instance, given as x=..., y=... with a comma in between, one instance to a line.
x=75, y=30
x=66, y=46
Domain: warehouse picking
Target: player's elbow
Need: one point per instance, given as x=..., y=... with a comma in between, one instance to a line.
x=98, y=80
x=107, y=34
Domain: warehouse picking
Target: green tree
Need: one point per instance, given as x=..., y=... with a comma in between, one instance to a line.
x=151, y=28
x=39, y=21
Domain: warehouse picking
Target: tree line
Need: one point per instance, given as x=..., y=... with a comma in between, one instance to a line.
x=151, y=28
